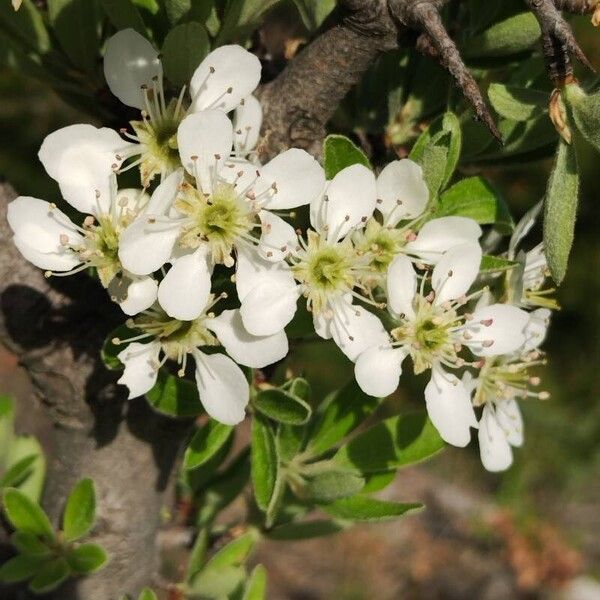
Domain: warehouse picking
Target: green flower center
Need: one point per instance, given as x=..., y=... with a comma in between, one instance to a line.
x=219, y=220
x=381, y=244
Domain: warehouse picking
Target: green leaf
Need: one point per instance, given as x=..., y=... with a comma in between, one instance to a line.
x=376, y=482
x=282, y=407
x=75, y=24
x=174, y=396
x=344, y=410
x=493, y=264
x=183, y=50
x=332, y=484
x=19, y=569
x=314, y=12
x=50, y=576
x=7, y=434
x=256, y=588
x=340, y=152
x=235, y=553
x=87, y=558
x=241, y=17
x=80, y=511
x=147, y=594
x=438, y=150
x=207, y=441
x=560, y=210
x=29, y=544
x=188, y=10
x=123, y=15
x=109, y=350
x=25, y=27
x=264, y=461
x=26, y=515
x=510, y=36
x=305, y=530
x=299, y=387
x=477, y=199
x=25, y=446
x=216, y=584
x=396, y=442
x=18, y=472
x=290, y=440
x=516, y=103
x=198, y=554
x=363, y=508
x=586, y=112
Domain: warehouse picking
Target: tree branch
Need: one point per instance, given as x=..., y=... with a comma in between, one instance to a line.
x=56, y=327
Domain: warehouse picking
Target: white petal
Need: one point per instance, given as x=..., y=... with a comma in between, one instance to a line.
x=351, y=200
x=141, y=294
x=81, y=159
x=355, y=329
x=226, y=76
x=145, y=247
x=247, y=121
x=204, y=140
x=53, y=261
x=278, y=238
x=378, y=370
x=252, y=270
x=523, y=227
x=494, y=449
x=449, y=407
x=132, y=199
x=322, y=326
x=247, y=349
x=402, y=191
x=401, y=286
x=40, y=226
x=224, y=391
x=165, y=194
x=297, y=178
x=140, y=367
x=185, y=290
x=130, y=61
x=497, y=329
x=440, y=235
x=456, y=271
x=509, y=418
x=536, y=329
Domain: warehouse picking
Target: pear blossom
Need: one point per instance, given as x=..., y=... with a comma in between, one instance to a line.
x=431, y=330
x=81, y=158
x=214, y=219
x=222, y=385
x=223, y=81
x=403, y=197
x=326, y=269
x=500, y=382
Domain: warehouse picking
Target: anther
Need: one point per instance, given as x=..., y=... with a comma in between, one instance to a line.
x=64, y=239
x=487, y=343
x=486, y=322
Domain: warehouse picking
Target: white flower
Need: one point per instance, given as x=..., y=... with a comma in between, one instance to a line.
x=326, y=269
x=82, y=159
x=223, y=81
x=222, y=386
x=500, y=428
x=216, y=218
x=432, y=332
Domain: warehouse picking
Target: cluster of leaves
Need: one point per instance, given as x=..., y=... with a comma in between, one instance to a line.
x=22, y=462
x=46, y=557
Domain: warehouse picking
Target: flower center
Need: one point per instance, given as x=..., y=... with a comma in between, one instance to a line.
x=429, y=335
x=380, y=243
x=221, y=220
x=325, y=270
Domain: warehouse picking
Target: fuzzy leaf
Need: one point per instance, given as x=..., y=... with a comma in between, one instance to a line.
x=80, y=511
x=183, y=50
x=50, y=576
x=475, y=198
x=174, y=396
x=235, y=553
x=29, y=544
x=26, y=515
x=586, y=112
x=87, y=558
x=332, y=484
x=340, y=152
x=264, y=461
x=396, y=442
x=19, y=569
x=188, y=10
x=494, y=264
x=207, y=441
x=147, y=594
x=216, y=583
x=363, y=508
x=30, y=482
x=518, y=104
x=282, y=406
x=256, y=588
x=560, y=210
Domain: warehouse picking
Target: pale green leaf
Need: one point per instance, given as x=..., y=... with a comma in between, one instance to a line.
x=264, y=461
x=87, y=558
x=26, y=515
x=340, y=152
x=363, y=508
x=282, y=406
x=256, y=587
x=207, y=441
x=518, y=104
x=50, y=576
x=80, y=511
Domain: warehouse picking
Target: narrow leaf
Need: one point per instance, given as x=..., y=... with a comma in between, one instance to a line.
x=256, y=588
x=282, y=406
x=363, y=508
x=183, y=50
x=235, y=553
x=19, y=569
x=340, y=152
x=560, y=210
x=123, y=15
x=494, y=264
x=87, y=558
x=264, y=461
x=26, y=515
x=207, y=441
x=80, y=511
x=518, y=104
x=50, y=576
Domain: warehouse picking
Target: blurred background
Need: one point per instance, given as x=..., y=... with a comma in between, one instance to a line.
x=532, y=532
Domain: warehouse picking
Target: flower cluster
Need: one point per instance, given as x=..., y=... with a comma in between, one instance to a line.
x=381, y=275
